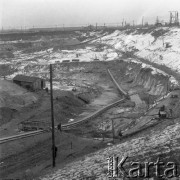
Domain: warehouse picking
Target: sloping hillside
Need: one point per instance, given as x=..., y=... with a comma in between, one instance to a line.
x=159, y=45
x=162, y=142
x=12, y=97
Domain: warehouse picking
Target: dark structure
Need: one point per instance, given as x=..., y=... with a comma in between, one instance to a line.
x=158, y=23
x=174, y=18
x=162, y=113
x=29, y=82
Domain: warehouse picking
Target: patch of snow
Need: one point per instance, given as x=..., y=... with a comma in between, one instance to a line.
x=70, y=120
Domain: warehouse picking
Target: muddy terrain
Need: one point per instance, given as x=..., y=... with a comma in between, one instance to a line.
x=80, y=89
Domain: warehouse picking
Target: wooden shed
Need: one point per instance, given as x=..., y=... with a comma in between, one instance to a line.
x=29, y=82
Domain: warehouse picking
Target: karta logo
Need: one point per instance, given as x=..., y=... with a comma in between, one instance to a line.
x=138, y=169
x=115, y=168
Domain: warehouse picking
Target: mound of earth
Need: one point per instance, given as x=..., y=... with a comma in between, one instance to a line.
x=12, y=95
x=11, y=88
x=6, y=114
x=66, y=106
x=12, y=98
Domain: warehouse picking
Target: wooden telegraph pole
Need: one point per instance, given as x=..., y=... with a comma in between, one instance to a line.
x=113, y=129
x=142, y=21
x=52, y=118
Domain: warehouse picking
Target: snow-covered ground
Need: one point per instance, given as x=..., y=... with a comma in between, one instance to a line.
x=144, y=45
x=148, y=46
x=154, y=70
x=153, y=144
x=36, y=63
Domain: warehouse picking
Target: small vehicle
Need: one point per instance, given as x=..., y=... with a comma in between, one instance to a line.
x=162, y=113
x=96, y=59
x=65, y=61
x=75, y=60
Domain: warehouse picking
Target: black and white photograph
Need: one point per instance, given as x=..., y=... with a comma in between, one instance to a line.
x=89, y=90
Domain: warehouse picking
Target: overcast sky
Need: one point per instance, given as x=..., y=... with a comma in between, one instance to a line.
x=45, y=13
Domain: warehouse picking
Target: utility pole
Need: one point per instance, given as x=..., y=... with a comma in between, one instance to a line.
x=113, y=129
x=142, y=21
x=157, y=20
x=123, y=23
x=168, y=88
x=52, y=118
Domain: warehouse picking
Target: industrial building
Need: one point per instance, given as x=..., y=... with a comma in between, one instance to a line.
x=29, y=82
